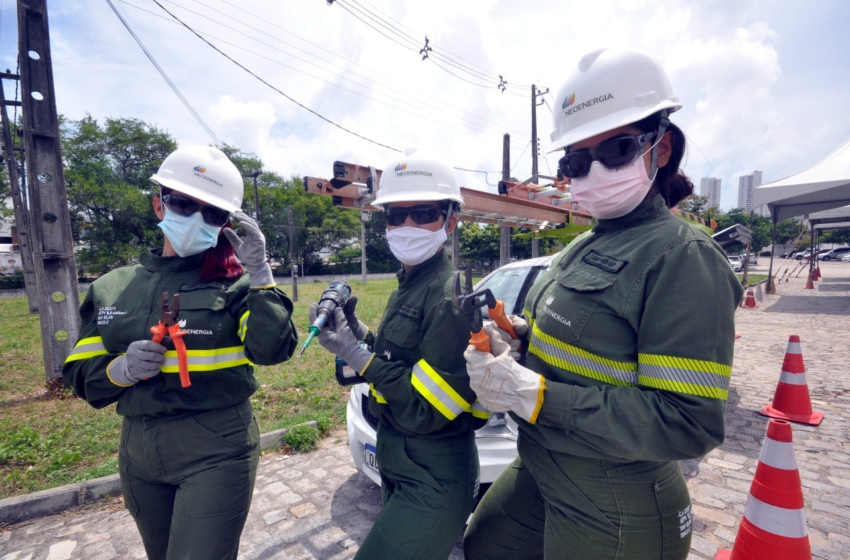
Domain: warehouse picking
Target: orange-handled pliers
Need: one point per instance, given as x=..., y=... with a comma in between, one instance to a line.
x=168, y=325
x=469, y=302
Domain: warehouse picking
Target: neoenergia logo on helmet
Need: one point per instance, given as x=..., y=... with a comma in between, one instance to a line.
x=199, y=172
x=569, y=108
x=400, y=171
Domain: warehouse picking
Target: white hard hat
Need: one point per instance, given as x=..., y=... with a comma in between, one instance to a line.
x=205, y=173
x=609, y=88
x=417, y=176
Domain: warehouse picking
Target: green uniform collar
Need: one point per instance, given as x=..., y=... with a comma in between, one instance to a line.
x=406, y=278
x=155, y=262
x=648, y=210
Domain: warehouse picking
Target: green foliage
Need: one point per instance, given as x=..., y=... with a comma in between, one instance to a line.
x=302, y=439
x=14, y=281
x=479, y=244
x=26, y=448
x=835, y=236
x=107, y=167
x=696, y=204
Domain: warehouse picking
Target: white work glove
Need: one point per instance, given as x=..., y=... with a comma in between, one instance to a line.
x=340, y=340
x=251, y=250
x=142, y=361
x=357, y=326
x=500, y=383
x=520, y=328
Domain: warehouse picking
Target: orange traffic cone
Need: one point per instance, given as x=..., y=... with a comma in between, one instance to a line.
x=774, y=524
x=791, y=400
x=816, y=275
x=820, y=275
x=809, y=284
x=751, y=298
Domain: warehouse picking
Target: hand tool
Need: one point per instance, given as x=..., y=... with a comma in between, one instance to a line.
x=469, y=301
x=336, y=294
x=168, y=325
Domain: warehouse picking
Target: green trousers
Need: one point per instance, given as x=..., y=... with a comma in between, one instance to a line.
x=429, y=488
x=552, y=506
x=187, y=480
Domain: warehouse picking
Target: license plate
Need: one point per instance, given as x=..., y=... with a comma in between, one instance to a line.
x=371, y=457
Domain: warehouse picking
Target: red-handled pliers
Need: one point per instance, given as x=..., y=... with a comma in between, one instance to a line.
x=168, y=325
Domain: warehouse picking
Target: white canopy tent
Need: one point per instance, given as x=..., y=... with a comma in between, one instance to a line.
x=823, y=186
x=836, y=218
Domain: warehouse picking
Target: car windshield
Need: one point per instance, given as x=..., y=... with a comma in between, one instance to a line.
x=511, y=286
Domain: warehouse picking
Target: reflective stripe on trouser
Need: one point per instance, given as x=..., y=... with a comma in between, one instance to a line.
x=187, y=480
x=586, y=508
x=428, y=486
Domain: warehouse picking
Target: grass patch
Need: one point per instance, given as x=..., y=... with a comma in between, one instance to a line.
x=50, y=442
x=753, y=278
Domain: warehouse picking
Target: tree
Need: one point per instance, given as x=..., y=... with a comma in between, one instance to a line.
x=695, y=204
x=479, y=244
x=836, y=236
x=761, y=226
x=107, y=167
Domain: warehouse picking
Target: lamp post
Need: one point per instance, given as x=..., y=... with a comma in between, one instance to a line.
x=254, y=176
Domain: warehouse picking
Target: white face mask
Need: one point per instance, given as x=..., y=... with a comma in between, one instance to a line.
x=611, y=193
x=412, y=245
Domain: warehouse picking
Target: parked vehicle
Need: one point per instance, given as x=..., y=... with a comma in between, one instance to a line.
x=846, y=258
x=753, y=258
x=496, y=441
x=834, y=254
x=804, y=255
x=736, y=262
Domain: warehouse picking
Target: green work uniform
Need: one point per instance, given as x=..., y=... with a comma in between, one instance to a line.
x=632, y=327
x=188, y=456
x=427, y=416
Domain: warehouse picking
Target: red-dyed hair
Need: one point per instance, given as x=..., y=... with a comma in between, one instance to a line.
x=220, y=262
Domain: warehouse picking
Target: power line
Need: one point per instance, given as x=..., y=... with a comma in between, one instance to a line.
x=473, y=126
x=171, y=84
x=228, y=57
x=520, y=155
x=409, y=93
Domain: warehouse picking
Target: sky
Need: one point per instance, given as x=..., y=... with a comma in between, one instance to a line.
x=763, y=82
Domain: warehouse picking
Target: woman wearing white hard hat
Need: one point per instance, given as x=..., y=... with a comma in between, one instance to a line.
x=630, y=346
x=419, y=390
x=189, y=448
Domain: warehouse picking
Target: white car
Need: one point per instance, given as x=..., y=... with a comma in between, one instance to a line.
x=736, y=262
x=496, y=441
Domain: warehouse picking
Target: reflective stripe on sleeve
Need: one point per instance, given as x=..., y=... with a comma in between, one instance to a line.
x=207, y=360
x=87, y=348
x=479, y=411
x=682, y=375
x=574, y=359
x=243, y=326
x=436, y=391
x=377, y=394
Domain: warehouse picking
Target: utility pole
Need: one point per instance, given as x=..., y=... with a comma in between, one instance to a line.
x=505, y=231
x=50, y=223
x=18, y=201
x=365, y=216
x=254, y=175
x=456, y=245
x=292, y=265
x=535, y=152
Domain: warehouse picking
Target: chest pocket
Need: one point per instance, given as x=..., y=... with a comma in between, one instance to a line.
x=569, y=301
x=402, y=331
x=202, y=311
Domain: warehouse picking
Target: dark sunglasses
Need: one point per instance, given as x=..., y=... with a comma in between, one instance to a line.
x=183, y=206
x=613, y=153
x=421, y=215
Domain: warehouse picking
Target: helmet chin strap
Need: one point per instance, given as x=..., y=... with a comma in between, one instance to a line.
x=663, y=123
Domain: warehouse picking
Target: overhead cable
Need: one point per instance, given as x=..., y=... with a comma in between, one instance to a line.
x=475, y=129
x=162, y=73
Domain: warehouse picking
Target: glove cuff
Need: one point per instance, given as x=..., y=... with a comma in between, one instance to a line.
x=261, y=277
x=359, y=359
x=116, y=371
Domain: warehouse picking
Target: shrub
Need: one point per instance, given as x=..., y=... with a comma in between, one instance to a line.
x=302, y=439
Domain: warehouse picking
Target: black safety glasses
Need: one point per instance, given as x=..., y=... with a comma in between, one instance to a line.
x=616, y=152
x=421, y=215
x=183, y=206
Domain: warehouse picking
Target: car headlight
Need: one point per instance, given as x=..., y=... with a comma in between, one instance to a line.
x=498, y=425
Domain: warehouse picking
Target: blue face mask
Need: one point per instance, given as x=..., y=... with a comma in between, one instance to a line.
x=189, y=236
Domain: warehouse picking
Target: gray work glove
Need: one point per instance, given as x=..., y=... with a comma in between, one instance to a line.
x=142, y=361
x=357, y=326
x=341, y=340
x=520, y=326
x=251, y=250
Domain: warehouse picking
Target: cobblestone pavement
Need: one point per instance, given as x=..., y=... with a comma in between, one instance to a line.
x=317, y=506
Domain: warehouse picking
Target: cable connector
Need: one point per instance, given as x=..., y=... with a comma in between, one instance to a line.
x=426, y=49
